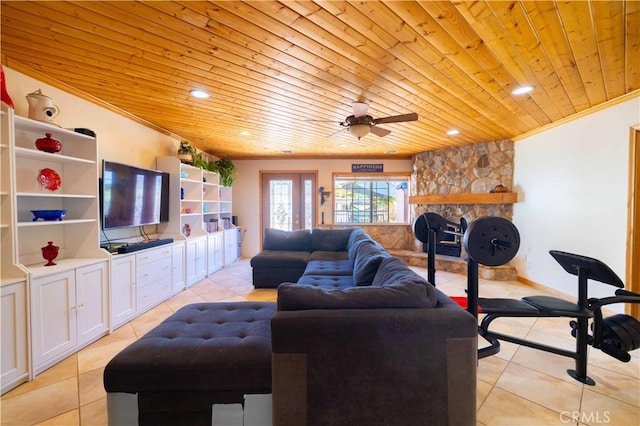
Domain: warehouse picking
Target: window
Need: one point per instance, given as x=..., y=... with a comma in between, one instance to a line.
x=370, y=199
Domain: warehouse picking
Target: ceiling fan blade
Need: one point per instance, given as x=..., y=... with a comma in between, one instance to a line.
x=360, y=109
x=379, y=131
x=335, y=133
x=396, y=118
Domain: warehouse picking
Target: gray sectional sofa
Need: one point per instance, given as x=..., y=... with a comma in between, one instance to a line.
x=360, y=338
x=355, y=338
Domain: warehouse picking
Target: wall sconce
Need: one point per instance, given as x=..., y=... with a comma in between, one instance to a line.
x=323, y=195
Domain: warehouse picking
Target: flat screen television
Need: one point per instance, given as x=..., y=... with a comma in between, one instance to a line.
x=133, y=196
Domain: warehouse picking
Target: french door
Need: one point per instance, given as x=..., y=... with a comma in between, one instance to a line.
x=288, y=200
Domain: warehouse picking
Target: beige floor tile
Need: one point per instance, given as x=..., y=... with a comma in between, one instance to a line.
x=183, y=298
x=98, y=355
x=94, y=414
x=544, y=362
x=67, y=368
x=150, y=319
x=507, y=350
x=602, y=360
x=70, y=418
x=40, y=404
x=91, y=386
x=607, y=410
x=615, y=385
x=490, y=369
x=504, y=408
x=482, y=391
x=550, y=392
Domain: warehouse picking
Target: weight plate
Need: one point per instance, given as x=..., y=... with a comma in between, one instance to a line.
x=427, y=221
x=491, y=240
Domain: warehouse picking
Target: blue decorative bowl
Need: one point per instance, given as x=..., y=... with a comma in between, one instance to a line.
x=48, y=214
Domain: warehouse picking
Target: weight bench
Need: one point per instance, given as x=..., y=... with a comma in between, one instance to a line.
x=494, y=241
x=622, y=332
x=207, y=361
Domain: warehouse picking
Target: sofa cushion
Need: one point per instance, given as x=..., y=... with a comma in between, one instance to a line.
x=329, y=267
x=330, y=239
x=275, y=239
x=328, y=255
x=292, y=297
x=368, y=258
x=393, y=271
x=357, y=237
x=280, y=259
x=327, y=282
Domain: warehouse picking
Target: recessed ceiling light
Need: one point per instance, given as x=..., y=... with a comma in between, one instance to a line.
x=287, y=151
x=199, y=93
x=522, y=90
x=391, y=151
x=453, y=132
x=244, y=133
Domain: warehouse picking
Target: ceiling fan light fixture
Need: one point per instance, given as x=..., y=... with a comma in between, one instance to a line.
x=359, y=130
x=199, y=93
x=522, y=90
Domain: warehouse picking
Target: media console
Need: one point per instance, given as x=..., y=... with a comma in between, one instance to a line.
x=122, y=248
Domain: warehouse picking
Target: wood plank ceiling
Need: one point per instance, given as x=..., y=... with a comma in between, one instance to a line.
x=287, y=72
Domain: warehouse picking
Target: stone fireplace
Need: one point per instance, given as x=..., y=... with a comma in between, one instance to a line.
x=457, y=182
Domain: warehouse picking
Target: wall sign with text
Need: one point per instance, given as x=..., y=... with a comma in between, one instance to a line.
x=366, y=168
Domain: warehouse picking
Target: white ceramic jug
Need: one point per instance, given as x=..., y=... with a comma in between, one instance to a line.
x=41, y=107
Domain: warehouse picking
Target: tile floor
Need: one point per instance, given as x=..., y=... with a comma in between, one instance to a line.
x=518, y=386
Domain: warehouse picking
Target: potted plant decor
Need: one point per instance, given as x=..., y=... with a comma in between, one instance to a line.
x=185, y=152
x=226, y=169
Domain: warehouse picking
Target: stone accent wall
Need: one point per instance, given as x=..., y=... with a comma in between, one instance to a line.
x=475, y=168
x=391, y=237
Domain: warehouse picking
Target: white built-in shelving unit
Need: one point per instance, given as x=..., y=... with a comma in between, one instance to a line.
x=64, y=307
x=200, y=213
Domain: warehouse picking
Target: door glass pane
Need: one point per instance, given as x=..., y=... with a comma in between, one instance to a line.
x=281, y=196
x=308, y=204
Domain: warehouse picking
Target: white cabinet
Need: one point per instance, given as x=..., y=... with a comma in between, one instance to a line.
x=178, y=282
x=153, y=276
x=196, y=260
x=230, y=245
x=123, y=289
x=14, y=335
x=92, y=290
x=68, y=311
x=215, y=252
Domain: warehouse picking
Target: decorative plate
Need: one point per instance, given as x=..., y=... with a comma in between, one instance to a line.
x=49, y=179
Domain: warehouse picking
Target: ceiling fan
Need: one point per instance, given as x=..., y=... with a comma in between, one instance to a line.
x=360, y=124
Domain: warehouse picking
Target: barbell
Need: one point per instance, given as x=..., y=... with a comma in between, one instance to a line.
x=489, y=240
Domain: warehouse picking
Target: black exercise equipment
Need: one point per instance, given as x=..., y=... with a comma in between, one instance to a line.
x=494, y=241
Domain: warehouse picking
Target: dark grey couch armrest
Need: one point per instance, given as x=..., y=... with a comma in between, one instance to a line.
x=374, y=367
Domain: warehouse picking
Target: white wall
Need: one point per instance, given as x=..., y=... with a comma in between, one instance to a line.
x=246, y=188
x=119, y=138
x=573, y=183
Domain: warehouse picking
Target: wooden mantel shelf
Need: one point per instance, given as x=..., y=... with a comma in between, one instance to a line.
x=489, y=198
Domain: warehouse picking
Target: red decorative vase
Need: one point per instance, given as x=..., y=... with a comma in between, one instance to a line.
x=50, y=252
x=48, y=144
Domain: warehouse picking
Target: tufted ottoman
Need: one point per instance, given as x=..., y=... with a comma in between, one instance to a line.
x=203, y=354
